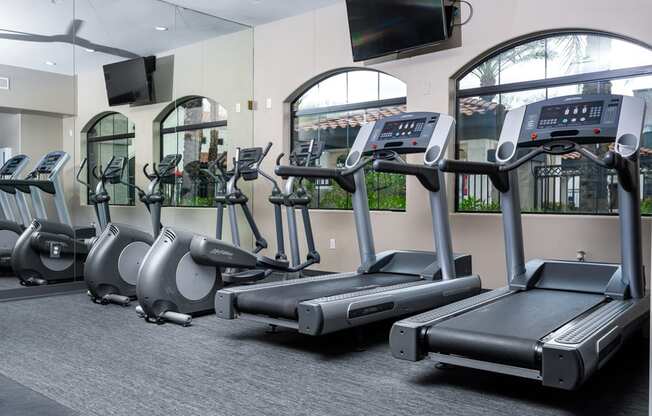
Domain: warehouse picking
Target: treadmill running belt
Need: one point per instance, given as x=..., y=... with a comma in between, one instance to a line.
x=507, y=331
x=282, y=301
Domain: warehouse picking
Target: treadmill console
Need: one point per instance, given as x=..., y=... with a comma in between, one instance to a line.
x=51, y=162
x=582, y=119
x=403, y=133
x=14, y=166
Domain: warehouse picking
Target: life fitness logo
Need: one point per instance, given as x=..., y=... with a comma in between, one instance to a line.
x=219, y=252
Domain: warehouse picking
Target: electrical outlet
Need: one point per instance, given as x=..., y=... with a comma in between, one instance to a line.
x=268, y=103
x=331, y=244
x=238, y=107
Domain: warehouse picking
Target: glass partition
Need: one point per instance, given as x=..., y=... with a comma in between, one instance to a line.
x=85, y=78
x=37, y=103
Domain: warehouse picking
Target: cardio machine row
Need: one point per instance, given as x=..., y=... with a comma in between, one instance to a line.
x=556, y=321
x=178, y=280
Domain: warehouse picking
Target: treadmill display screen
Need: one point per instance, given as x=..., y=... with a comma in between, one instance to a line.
x=575, y=114
x=403, y=129
x=49, y=163
x=10, y=167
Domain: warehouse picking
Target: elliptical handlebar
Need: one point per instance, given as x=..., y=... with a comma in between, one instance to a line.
x=79, y=172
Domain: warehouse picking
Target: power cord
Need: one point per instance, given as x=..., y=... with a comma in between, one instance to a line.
x=468, y=19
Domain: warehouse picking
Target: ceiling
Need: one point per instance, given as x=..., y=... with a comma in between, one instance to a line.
x=254, y=12
x=38, y=34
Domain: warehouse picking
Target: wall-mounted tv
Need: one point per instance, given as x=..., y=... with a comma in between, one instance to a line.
x=383, y=27
x=130, y=82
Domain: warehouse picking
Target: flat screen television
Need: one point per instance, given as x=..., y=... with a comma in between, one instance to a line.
x=130, y=82
x=383, y=27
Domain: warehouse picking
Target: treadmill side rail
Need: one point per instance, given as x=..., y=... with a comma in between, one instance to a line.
x=325, y=315
x=225, y=299
x=405, y=336
x=577, y=350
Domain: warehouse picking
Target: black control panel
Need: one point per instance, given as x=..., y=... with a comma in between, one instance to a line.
x=49, y=162
x=571, y=114
x=404, y=133
x=168, y=164
x=582, y=119
x=300, y=155
x=113, y=172
x=402, y=129
x=10, y=166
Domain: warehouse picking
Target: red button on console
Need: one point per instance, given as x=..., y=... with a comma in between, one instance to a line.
x=534, y=136
x=596, y=130
x=414, y=142
x=374, y=146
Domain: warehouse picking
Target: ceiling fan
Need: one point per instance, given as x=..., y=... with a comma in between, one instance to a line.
x=69, y=37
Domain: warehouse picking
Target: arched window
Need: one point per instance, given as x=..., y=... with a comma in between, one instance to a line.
x=331, y=109
x=111, y=135
x=545, y=66
x=195, y=128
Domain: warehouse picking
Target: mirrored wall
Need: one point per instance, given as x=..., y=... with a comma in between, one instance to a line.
x=137, y=99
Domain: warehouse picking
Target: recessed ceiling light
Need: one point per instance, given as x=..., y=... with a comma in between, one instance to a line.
x=161, y=28
x=89, y=50
x=50, y=63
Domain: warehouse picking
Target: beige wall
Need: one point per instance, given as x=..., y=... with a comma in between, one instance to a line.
x=291, y=51
x=54, y=92
x=221, y=69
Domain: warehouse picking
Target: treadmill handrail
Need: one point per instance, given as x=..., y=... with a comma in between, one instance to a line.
x=427, y=175
x=498, y=179
x=338, y=175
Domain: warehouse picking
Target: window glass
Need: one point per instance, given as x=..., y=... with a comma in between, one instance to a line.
x=556, y=56
x=391, y=87
x=362, y=86
x=197, y=130
x=338, y=130
x=112, y=136
x=550, y=184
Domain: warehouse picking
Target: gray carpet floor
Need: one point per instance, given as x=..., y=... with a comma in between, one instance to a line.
x=9, y=282
x=18, y=400
x=106, y=361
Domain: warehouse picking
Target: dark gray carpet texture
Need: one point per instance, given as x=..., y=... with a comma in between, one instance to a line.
x=104, y=360
x=9, y=282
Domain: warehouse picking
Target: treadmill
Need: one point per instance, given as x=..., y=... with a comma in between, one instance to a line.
x=12, y=226
x=387, y=285
x=557, y=321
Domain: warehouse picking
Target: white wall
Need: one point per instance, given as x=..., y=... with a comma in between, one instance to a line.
x=293, y=50
x=32, y=90
x=221, y=69
x=10, y=131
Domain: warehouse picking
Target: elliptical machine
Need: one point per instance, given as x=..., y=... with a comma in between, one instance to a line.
x=176, y=280
x=51, y=252
x=112, y=264
x=295, y=196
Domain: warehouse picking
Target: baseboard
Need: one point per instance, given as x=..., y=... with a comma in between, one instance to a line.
x=42, y=291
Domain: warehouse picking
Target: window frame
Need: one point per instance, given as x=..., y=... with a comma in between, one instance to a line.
x=365, y=105
x=100, y=139
x=457, y=94
x=167, y=111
